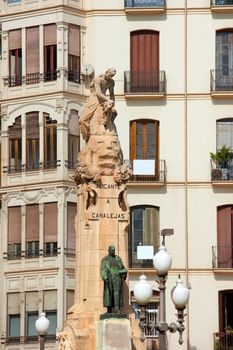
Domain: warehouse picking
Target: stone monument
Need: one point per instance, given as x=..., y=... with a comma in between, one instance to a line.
x=101, y=224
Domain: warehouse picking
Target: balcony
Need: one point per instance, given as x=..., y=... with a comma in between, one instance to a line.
x=223, y=341
x=221, y=5
x=220, y=174
x=221, y=86
x=222, y=257
x=21, y=168
x=50, y=249
x=144, y=85
x=148, y=171
x=144, y=6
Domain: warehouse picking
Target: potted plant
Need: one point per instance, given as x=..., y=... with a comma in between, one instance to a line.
x=221, y=159
x=228, y=329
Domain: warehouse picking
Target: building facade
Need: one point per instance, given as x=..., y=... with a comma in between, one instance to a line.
x=174, y=97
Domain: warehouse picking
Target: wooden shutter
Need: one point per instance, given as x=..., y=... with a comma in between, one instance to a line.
x=224, y=227
x=32, y=125
x=32, y=56
x=32, y=301
x=15, y=39
x=50, y=300
x=71, y=233
x=15, y=131
x=50, y=34
x=50, y=222
x=13, y=303
x=32, y=223
x=74, y=40
x=14, y=225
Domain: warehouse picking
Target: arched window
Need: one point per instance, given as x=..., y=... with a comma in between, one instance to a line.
x=50, y=142
x=144, y=61
x=224, y=59
x=223, y=253
x=73, y=138
x=144, y=230
x=15, y=146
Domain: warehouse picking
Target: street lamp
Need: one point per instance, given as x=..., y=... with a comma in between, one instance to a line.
x=42, y=326
x=143, y=292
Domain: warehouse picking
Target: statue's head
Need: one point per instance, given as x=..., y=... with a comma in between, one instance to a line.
x=111, y=250
x=110, y=72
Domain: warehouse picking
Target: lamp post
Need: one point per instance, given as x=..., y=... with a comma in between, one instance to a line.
x=143, y=292
x=42, y=326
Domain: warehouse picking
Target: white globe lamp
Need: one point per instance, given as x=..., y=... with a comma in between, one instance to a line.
x=143, y=291
x=162, y=261
x=180, y=295
x=42, y=324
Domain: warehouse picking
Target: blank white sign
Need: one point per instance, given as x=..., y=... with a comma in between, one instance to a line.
x=145, y=252
x=144, y=167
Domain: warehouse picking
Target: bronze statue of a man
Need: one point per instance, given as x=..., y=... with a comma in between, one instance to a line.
x=113, y=273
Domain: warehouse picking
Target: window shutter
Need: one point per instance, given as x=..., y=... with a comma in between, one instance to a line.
x=14, y=225
x=50, y=300
x=31, y=301
x=15, y=39
x=32, y=223
x=71, y=233
x=32, y=57
x=224, y=236
x=74, y=40
x=69, y=298
x=50, y=34
x=50, y=222
x=15, y=131
x=32, y=125
x=73, y=124
x=13, y=303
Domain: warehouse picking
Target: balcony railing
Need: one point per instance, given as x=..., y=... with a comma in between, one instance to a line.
x=221, y=2
x=20, y=168
x=222, y=257
x=155, y=172
x=49, y=250
x=145, y=82
x=223, y=341
x=15, y=80
x=74, y=76
x=71, y=164
x=145, y=3
x=220, y=82
x=219, y=173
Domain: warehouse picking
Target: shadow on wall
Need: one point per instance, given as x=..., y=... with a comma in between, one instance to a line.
x=192, y=347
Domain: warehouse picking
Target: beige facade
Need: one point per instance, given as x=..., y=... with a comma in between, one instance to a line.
x=188, y=109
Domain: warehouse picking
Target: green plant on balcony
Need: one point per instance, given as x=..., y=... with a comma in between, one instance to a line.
x=222, y=157
x=229, y=329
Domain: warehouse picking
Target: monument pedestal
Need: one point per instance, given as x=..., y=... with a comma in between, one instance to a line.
x=114, y=334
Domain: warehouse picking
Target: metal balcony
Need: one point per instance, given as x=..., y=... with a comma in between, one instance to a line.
x=220, y=173
x=156, y=174
x=145, y=3
x=220, y=82
x=223, y=341
x=145, y=82
x=221, y=2
x=222, y=257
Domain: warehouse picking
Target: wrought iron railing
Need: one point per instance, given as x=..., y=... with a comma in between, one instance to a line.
x=221, y=2
x=50, y=75
x=26, y=339
x=33, y=78
x=15, y=80
x=74, y=76
x=223, y=341
x=222, y=256
x=17, y=168
x=29, y=254
x=71, y=164
x=20, y=168
x=220, y=172
x=159, y=175
x=144, y=82
x=50, y=164
x=145, y=3
x=220, y=82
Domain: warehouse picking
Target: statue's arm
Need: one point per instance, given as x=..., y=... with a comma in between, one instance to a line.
x=111, y=91
x=99, y=93
x=104, y=271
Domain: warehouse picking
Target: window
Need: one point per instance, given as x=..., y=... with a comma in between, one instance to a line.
x=13, y=312
x=31, y=308
x=32, y=231
x=69, y=299
x=32, y=55
x=50, y=52
x=144, y=145
x=73, y=138
x=15, y=57
x=225, y=300
x=225, y=138
x=144, y=61
x=50, y=229
x=144, y=229
x=224, y=59
x=225, y=236
x=50, y=142
x=32, y=141
x=71, y=233
x=15, y=146
x=50, y=307
x=74, y=53
x=14, y=232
